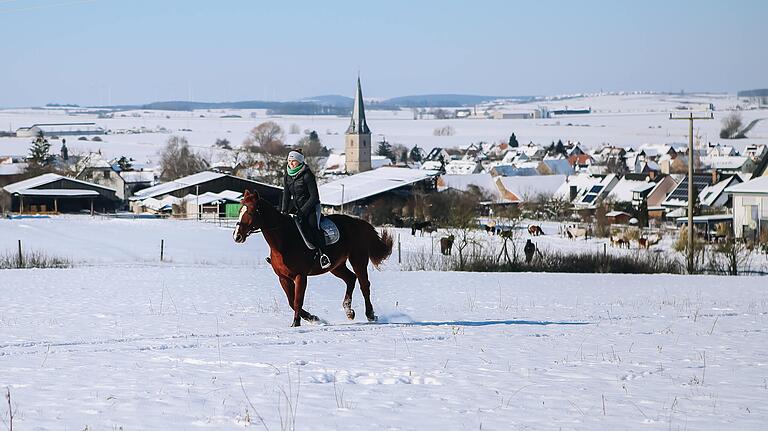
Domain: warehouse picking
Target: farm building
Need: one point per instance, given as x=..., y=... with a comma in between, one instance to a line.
x=58, y=194
x=618, y=217
x=750, y=208
x=354, y=192
x=204, y=182
x=59, y=129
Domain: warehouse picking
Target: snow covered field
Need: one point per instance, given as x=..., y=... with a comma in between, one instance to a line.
x=202, y=341
x=624, y=120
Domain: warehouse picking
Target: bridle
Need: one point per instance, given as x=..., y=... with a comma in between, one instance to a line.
x=252, y=229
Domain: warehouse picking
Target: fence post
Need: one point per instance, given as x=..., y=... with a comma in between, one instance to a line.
x=162, y=249
x=21, y=257
x=399, y=254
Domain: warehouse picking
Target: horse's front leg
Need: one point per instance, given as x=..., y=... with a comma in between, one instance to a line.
x=300, y=288
x=289, y=288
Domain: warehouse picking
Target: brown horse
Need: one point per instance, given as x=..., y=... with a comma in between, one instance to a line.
x=293, y=262
x=535, y=230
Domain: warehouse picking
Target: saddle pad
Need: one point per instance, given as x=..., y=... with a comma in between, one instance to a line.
x=329, y=228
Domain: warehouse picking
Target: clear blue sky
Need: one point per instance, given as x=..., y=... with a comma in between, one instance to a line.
x=92, y=52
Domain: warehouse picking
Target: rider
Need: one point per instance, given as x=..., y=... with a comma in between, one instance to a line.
x=300, y=197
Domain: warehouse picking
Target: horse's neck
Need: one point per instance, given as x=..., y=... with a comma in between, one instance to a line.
x=277, y=229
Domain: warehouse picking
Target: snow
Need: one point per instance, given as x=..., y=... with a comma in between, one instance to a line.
x=755, y=186
x=59, y=192
x=172, y=186
x=122, y=340
x=41, y=180
x=625, y=120
x=369, y=183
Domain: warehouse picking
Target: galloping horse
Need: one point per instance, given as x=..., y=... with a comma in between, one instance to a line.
x=293, y=262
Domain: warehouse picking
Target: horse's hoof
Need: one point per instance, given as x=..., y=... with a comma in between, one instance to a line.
x=296, y=323
x=373, y=318
x=350, y=314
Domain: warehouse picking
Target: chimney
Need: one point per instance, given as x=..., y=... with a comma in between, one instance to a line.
x=715, y=176
x=573, y=191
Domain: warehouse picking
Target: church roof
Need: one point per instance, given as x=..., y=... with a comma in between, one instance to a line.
x=358, y=125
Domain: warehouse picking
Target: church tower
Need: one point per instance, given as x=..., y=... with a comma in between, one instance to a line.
x=357, y=142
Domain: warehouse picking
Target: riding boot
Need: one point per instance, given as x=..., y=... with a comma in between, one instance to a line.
x=325, y=261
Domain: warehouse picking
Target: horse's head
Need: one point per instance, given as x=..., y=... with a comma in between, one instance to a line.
x=250, y=219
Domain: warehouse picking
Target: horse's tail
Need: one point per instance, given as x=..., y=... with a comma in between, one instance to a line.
x=379, y=247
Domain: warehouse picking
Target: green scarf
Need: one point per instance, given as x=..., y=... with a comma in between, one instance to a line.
x=294, y=171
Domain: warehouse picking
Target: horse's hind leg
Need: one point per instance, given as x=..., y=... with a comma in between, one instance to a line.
x=360, y=266
x=349, y=278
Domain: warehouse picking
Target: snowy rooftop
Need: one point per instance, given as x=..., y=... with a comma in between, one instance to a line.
x=527, y=187
x=43, y=180
x=72, y=193
x=756, y=186
x=624, y=189
x=191, y=180
x=370, y=183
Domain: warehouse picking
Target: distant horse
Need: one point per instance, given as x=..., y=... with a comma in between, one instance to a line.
x=293, y=262
x=575, y=232
x=446, y=244
x=535, y=230
x=421, y=226
x=620, y=242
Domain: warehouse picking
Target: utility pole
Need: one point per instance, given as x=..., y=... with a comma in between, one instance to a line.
x=690, y=119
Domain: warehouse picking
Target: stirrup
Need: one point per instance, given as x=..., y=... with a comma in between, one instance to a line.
x=325, y=262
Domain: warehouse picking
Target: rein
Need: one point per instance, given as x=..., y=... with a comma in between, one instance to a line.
x=252, y=229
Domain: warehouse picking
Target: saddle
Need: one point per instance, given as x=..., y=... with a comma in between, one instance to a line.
x=330, y=231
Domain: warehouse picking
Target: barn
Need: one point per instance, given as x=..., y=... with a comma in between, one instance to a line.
x=53, y=193
x=205, y=182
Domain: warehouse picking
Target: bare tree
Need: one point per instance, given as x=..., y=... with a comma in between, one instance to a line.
x=178, y=160
x=731, y=125
x=315, y=152
x=268, y=137
x=265, y=141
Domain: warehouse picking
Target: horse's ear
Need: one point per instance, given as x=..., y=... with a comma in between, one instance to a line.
x=246, y=194
x=255, y=194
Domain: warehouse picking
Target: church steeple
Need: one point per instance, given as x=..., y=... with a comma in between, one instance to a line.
x=357, y=142
x=358, y=124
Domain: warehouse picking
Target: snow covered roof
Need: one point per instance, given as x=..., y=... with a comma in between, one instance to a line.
x=138, y=176
x=171, y=186
x=624, y=189
x=181, y=183
x=46, y=179
x=709, y=195
x=71, y=193
x=210, y=197
x=514, y=171
x=462, y=182
x=616, y=213
x=370, y=183
x=525, y=187
x=463, y=167
x=726, y=162
x=580, y=181
x=756, y=186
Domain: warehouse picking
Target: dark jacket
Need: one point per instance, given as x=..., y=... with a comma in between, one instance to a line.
x=300, y=194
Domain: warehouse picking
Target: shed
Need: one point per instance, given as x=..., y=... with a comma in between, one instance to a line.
x=618, y=217
x=59, y=194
